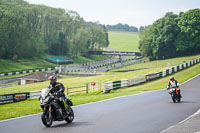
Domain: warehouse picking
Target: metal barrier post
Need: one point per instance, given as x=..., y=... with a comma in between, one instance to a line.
x=67, y=91
x=87, y=88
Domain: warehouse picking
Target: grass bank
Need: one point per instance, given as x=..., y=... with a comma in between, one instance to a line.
x=124, y=41
x=92, y=58
x=33, y=106
x=7, y=66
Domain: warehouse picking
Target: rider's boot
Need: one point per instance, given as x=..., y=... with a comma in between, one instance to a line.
x=179, y=93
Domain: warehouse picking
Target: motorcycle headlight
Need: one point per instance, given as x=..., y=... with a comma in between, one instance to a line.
x=46, y=100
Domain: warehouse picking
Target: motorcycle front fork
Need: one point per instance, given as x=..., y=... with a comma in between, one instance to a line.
x=49, y=111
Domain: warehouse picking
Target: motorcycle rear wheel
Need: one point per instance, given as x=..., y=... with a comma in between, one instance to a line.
x=46, y=120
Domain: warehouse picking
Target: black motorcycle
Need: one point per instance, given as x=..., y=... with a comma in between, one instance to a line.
x=174, y=94
x=52, y=111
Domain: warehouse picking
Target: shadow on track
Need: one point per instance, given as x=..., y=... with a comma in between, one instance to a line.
x=182, y=102
x=73, y=124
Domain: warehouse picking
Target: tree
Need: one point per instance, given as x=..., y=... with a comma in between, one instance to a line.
x=141, y=28
x=121, y=27
x=80, y=43
x=28, y=31
x=188, y=41
x=106, y=36
x=97, y=37
x=157, y=42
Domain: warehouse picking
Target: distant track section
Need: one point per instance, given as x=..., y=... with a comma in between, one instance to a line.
x=115, y=53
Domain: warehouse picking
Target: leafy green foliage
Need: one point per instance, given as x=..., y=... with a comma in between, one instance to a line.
x=188, y=41
x=28, y=31
x=121, y=27
x=157, y=42
x=171, y=36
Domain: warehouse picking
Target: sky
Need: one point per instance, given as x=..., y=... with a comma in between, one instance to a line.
x=132, y=12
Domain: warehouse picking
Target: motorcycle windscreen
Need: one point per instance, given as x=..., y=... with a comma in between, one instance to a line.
x=45, y=92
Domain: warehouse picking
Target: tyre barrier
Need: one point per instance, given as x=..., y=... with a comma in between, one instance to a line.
x=27, y=71
x=112, y=85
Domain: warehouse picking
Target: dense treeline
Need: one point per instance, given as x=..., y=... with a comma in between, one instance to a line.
x=27, y=31
x=171, y=36
x=143, y=27
x=122, y=27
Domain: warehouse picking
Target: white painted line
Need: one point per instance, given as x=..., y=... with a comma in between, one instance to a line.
x=190, y=117
x=190, y=79
x=18, y=117
x=116, y=98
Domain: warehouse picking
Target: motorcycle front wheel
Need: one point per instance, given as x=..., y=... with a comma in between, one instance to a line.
x=173, y=98
x=179, y=99
x=70, y=116
x=46, y=120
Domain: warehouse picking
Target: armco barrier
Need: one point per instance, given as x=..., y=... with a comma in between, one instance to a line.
x=115, y=84
x=152, y=76
x=124, y=83
x=34, y=94
x=136, y=80
x=108, y=86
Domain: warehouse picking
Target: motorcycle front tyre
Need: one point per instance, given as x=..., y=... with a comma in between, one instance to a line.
x=45, y=120
x=70, y=116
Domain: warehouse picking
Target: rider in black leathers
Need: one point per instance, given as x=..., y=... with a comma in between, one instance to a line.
x=58, y=90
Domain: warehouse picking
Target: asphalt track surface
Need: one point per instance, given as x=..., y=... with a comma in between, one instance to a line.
x=149, y=112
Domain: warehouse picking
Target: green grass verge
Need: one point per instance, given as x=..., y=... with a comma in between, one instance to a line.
x=92, y=58
x=33, y=106
x=124, y=41
x=7, y=66
x=157, y=64
x=81, y=59
x=12, y=83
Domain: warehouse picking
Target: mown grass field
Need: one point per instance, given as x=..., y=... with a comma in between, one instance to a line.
x=92, y=58
x=124, y=41
x=11, y=66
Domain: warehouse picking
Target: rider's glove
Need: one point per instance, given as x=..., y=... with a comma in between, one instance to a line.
x=49, y=86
